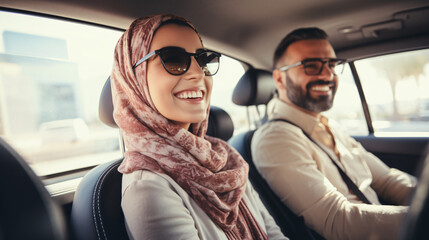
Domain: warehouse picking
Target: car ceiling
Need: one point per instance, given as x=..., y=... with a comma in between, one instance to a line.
x=251, y=29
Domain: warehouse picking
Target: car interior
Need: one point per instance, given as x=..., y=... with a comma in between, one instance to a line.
x=52, y=191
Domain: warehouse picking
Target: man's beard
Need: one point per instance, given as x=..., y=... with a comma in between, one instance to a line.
x=304, y=100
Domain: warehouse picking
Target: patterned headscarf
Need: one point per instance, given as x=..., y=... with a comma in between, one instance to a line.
x=209, y=170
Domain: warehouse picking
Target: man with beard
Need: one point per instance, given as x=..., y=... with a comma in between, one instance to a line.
x=317, y=170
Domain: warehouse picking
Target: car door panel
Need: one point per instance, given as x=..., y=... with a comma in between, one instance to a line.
x=403, y=153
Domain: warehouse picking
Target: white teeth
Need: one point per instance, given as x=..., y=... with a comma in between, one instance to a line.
x=193, y=94
x=321, y=88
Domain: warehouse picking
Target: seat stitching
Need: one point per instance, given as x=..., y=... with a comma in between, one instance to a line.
x=97, y=200
x=94, y=214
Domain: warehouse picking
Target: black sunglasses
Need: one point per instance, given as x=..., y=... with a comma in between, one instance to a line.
x=177, y=61
x=314, y=66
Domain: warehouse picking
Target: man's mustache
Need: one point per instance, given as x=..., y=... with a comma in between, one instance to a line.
x=321, y=82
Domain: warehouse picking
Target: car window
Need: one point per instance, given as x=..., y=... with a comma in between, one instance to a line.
x=51, y=74
x=396, y=87
x=347, y=109
x=230, y=71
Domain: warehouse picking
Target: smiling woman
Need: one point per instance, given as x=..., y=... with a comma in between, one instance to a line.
x=173, y=173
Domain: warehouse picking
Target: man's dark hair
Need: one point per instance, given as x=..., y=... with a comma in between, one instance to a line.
x=297, y=35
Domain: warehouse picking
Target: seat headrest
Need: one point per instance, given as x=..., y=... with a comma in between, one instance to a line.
x=105, y=106
x=220, y=123
x=255, y=87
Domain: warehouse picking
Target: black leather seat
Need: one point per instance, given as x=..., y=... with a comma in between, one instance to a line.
x=96, y=211
x=27, y=211
x=256, y=87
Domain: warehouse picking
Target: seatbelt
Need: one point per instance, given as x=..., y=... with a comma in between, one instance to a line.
x=350, y=184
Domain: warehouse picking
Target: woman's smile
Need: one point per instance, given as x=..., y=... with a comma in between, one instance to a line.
x=192, y=95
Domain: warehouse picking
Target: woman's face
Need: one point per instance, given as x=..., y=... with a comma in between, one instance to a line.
x=174, y=96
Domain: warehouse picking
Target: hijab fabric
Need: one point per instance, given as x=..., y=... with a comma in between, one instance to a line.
x=209, y=170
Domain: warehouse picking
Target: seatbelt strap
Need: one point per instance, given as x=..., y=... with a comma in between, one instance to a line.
x=350, y=184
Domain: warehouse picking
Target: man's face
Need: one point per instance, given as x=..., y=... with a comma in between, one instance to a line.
x=312, y=93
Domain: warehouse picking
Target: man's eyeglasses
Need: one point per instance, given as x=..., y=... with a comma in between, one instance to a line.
x=314, y=66
x=177, y=61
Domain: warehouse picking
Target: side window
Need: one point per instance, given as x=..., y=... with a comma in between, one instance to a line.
x=347, y=109
x=51, y=75
x=396, y=87
x=230, y=71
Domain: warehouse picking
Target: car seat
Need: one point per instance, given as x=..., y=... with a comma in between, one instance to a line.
x=96, y=211
x=256, y=87
x=27, y=210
